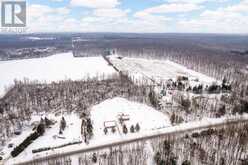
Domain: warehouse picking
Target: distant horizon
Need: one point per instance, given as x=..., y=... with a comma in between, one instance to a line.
x=138, y=33
x=134, y=16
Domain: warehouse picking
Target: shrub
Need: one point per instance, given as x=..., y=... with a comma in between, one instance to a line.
x=195, y=135
x=186, y=162
x=214, y=88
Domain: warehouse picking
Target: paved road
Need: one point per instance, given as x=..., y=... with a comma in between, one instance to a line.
x=176, y=130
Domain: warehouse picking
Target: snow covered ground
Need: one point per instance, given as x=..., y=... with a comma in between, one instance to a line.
x=52, y=68
x=148, y=118
x=111, y=109
x=65, y=66
x=51, y=137
x=102, y=141
x=158, y=70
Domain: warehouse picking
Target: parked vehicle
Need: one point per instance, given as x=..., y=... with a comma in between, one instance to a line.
x=10, y=145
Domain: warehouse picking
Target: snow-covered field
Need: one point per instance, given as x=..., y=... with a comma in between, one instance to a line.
x=52, y=68
x=105, y=111
x=158, y=70
x=110, y=110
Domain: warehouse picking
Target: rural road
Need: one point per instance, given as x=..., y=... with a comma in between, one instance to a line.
x=174, y=130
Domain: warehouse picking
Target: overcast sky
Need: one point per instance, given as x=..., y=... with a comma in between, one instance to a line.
x=198, y=16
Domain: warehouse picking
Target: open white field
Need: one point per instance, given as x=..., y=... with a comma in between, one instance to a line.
x=53, y=68
x=111, y=109
x=158, y=70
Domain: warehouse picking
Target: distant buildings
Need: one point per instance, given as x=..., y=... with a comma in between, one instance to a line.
x=109, y=52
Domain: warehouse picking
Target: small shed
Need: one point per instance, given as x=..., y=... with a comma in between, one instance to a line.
x=17, y=132
x=123, y=117
x=109, y=124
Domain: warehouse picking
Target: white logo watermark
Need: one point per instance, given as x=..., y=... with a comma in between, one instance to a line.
x=13, y=17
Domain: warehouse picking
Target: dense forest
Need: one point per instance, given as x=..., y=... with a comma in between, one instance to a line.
x=219, y=56
x=27, y=98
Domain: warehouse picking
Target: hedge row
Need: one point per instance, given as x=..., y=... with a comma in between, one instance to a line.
x=32, y=137
x=51, y=148
x=25, y=144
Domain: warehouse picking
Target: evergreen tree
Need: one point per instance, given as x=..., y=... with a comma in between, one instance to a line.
x=186, y=162
x=124, y=129
x=153, y=98
x=222, y=161
x=94, y=158
x=132, y=129
x=167, y=146
x=48, y=122
x=172, y=161
x=89, y=128
x=224, y=81
x=113, y=130
x=157, y=157
x=105, y=131
x=63, y=123
x=41, y=129
x=173, y=118
x=162, y=162
x=221, y=111
x=137, y=127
